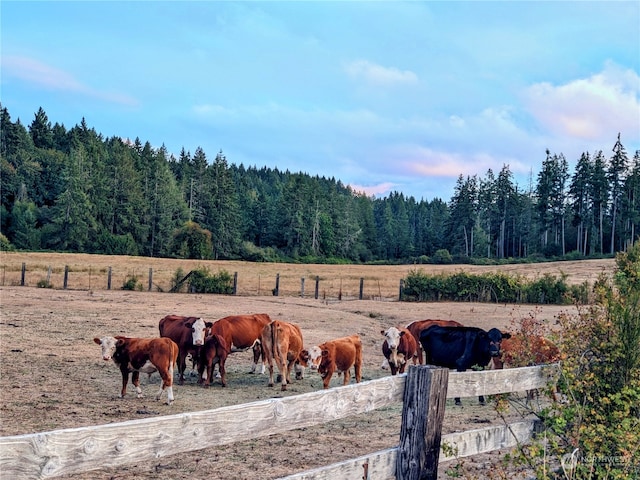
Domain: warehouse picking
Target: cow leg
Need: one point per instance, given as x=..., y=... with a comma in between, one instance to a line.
x=223, y=373
x=182, y=366
x=125, y=380
x=135, y=379
x=167, y=382
x=358, y=371
x=270, y=374
x=347, y=376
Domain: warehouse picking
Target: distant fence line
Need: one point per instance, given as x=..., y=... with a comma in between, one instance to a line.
x=275, y=291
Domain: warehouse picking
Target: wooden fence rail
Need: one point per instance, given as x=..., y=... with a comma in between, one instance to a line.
x=74, y=450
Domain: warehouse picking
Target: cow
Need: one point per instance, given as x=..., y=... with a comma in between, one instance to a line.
x=418, y=326
x=523, y=350
x=337, y=355
x=461, y=347
x=188, y=333
x=282, y=344
x=398, y=348
x=241, y=332
x=214, y=351
x=146, y=355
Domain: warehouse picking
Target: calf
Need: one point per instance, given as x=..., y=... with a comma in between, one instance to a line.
x=398, y=348
x=146, y=355
x=188, y=333
x=461, y=347
x=340, y=355
x=417, y=327
x=214, y=351
x=282, y=344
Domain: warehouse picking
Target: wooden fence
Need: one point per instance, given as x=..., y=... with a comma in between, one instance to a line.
x=75, y=450
x=99, y=280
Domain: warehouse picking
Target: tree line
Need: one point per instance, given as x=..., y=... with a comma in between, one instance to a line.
x=74, y=190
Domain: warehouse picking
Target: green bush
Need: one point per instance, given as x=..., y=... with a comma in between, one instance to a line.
x=201, y=281
x=5, y=244
x=131, y=283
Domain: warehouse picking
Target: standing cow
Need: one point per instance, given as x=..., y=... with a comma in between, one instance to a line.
x=337, y=355
x=461, y=347
x=398, y=348
x=146, y=355
x=417, y=327
x=214, y=351
x=282, y=344
x=241, y=332
x=189, y=334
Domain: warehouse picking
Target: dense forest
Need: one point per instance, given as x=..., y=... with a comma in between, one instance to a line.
x=76, y=191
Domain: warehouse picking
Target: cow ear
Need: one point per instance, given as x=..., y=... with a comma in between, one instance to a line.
x=382, y=332
x=208, y=324
x=188, y=324
x=120, y=342
x=401, y=333
x=97, y=340
x=506, y=335
x=325, y=353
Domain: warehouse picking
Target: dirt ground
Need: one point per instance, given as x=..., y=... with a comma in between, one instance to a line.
x=52, y=375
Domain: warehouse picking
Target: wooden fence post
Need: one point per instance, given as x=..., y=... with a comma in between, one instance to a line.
x=425, y=396
x=235, y=283
x=24, y=272
x=150, y=278
x=302, y=287
x=401, y=288
x=109, y=279
x=317, y=286
x=66, y=277
x=361, y=287
x=276, y=291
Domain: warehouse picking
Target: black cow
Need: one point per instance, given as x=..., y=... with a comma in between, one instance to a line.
x=461, y=347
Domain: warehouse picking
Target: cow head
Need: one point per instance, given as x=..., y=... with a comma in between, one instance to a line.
x=108, y=345
x=325, y=363
x=392, y=337
x=199, y=330
x=310, y=358
x=495, y=339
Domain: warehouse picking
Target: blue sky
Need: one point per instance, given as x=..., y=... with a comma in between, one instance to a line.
x=382, y=95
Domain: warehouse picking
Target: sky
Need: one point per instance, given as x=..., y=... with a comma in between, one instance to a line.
x=385, y=96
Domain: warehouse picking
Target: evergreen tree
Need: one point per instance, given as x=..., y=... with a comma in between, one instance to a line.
x=40, y=130
x=463, y=216
x=615, y=176
x=580, y=202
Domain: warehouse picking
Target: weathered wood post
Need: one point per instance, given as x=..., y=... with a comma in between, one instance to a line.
x=276, y=291
x=66, y=277
x=109, y=279
x=302, y=287
x=401, y=289
x=425, y=395
x=235, y=283
x=317, y=286
x=49, y=276
x=24, y=273
x=361, y=287
x=150, y=278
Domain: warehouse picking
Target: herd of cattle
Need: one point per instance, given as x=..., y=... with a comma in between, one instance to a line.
x=444, y=343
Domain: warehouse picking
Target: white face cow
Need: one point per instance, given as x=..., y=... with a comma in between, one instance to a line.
x=315, y=355
x=108, y=346
x=392, y=337
x=198, y=331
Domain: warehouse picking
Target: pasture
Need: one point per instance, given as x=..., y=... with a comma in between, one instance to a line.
x=52, y=376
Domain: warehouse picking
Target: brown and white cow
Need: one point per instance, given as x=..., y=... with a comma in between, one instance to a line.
x=282, y=344
x=398, y=348
x=241, y=332
x=189, y=334
x=337, y=355
x=417, y=327
x=214, y=351
x=146, y=355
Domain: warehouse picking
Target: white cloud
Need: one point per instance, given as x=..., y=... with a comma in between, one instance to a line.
x=378, y=189
x=593, y=108
x=379, y=75
x=51, y=78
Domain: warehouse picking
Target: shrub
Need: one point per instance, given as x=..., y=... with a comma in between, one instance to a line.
x=5, y=244
x=131, y=283
x=201, y=281
x=441, y=257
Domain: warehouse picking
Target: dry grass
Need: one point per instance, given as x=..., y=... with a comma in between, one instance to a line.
x=90, y=272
